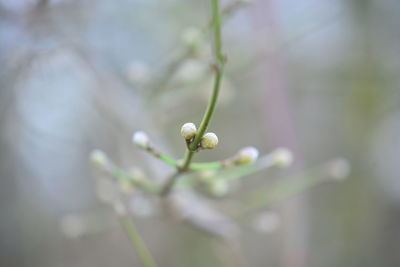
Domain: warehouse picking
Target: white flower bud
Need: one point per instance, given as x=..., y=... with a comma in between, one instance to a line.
x=140, y=139
x=282, y=157
x=247, y=155
x=99, y=158
x=188, y=130
x=209, y=141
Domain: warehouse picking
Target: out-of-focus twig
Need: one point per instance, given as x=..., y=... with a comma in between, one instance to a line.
x=175, y=64
x=336, y=169
x=137, y=241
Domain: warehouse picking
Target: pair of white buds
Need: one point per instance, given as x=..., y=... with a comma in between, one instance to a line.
x=208, y=141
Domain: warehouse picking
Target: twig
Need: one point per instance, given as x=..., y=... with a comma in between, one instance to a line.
x=265, y=196
x=180, y=59
x=137, y=242
x=219, y=59
x=170, y=183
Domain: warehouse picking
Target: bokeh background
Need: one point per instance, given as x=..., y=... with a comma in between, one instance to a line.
x=320, y=77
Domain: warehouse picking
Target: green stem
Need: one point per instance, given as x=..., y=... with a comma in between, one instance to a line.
x=206, y=166
x=168, y=160
x=137, y=242
x=265, y=196
x=187, y=159
x=166, y=189
x=218, y=67
x=144, y=184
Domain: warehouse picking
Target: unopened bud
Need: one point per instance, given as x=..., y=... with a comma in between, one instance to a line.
x=209, y=141
x=188, y=130
x=282, y=157
x=140, y=139
x=99, y=158
x=247, y=155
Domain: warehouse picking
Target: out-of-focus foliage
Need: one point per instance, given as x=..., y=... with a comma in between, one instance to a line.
x=319, y=77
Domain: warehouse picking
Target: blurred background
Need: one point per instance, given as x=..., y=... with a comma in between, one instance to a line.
x=320, y=77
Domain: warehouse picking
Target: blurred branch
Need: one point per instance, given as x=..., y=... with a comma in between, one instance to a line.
x=175, y=64
x=337, y=169
x=137, y=242
x=264, y=55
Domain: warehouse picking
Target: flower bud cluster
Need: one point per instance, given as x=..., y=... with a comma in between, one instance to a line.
x=189, y=131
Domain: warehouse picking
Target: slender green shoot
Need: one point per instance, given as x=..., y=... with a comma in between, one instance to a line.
x=137, y=242
x=290, y=186
x=142, y=183
x=219, y=63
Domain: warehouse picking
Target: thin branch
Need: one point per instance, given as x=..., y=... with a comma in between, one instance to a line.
x=170, y=183
x=334, y=170
x=218, y=67
x=219, y=59
x=137, y=242
x=144, y=184
x=175, y=64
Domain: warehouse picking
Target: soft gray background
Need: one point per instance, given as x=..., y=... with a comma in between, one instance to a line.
x=320, y=77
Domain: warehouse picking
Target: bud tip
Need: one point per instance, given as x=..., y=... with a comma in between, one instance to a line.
x=247, y=155
x=282, y=157
x=188, y=130
x=209, y=141
x=140, y=139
